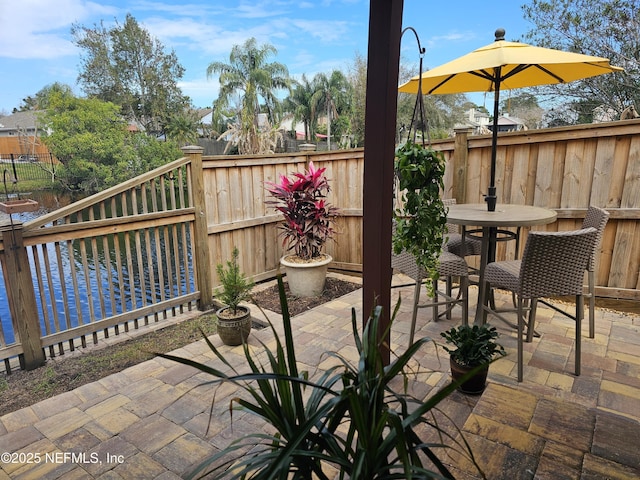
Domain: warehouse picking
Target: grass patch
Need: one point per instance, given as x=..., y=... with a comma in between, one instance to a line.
x=22, y=388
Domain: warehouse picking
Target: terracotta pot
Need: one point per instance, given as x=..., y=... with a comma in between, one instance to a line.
x=234, y=329
x=306, y=278
x=18, y=206
x=473, y=386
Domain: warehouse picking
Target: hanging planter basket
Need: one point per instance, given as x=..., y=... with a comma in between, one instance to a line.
x=18, y=206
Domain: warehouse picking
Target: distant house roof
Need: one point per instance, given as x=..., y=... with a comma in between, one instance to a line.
x=20, y=120
x=205, y=115
x=507, y=123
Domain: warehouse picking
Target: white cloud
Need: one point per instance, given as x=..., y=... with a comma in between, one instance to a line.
x=201, y=91
x=40, y=29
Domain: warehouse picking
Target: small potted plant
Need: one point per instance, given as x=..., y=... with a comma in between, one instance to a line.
x=474, y=347
x=234, y=320
x=308, y=224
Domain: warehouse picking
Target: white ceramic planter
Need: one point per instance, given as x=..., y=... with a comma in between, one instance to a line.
x=306, y=279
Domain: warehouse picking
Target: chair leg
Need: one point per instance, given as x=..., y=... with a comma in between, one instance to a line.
x=464, y=287
x=484, y=300
x=520, y=339
x=592, y=304
x=435, y=308
x=449, y=283
x=532, y=319
x=414, y=315
x=579, y=315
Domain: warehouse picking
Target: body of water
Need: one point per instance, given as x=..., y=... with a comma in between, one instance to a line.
x=105, y=272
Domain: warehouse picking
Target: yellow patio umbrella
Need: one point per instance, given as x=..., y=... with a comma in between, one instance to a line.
x=505, y=65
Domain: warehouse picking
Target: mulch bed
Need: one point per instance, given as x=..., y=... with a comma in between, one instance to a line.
x=269, y=298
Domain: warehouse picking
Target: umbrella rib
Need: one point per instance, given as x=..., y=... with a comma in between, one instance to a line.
x=559, y=79
x=522, y=67
x=440, y=84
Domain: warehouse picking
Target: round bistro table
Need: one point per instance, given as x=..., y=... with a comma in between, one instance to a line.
x=505, y=215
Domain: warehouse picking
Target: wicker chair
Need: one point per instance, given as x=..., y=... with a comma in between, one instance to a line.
x=553, y=264
x=449, y=266
x=597, y=218
x=455, y=243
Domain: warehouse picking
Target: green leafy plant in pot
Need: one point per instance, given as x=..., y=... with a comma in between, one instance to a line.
x=308, y=224
x=420, y=217
x=354, y=420
x=234, y=320
x=474, y=348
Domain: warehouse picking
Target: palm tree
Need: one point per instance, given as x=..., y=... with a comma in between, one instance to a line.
x=332, y=95
x=182, y=128
x=300, y=103
x=249, y=75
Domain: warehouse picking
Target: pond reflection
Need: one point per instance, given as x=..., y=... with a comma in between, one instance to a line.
x=99, y=277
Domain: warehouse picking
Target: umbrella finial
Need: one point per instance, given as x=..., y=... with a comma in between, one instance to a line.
x=500, y=34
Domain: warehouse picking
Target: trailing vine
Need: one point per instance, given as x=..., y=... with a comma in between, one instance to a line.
x=421, y=218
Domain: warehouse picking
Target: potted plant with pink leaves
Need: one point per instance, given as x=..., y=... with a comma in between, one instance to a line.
x=308, y=224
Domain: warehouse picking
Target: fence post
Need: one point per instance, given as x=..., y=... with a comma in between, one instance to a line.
x=460, y=163
x=201, y=234
x=21, y=296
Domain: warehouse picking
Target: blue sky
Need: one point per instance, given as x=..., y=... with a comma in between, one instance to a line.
x=310, y=36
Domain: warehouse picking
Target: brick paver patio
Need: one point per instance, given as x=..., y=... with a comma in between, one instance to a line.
x=150, y=421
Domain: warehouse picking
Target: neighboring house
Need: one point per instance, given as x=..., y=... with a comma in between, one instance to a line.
x=477, y=120
x=603, y=114
x=205, y=120
x=507, y=123
x=20, y=135
x=286, y=125
x=24, y=123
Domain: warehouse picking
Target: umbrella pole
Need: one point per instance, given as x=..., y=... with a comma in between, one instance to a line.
x=491, y=197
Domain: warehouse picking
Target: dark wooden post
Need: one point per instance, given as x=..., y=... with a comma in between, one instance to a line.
x=201, y=240
x=460, y=163
x=385, y=30
x=21, y=296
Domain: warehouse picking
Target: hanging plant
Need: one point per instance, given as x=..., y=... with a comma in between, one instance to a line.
x=421, y=217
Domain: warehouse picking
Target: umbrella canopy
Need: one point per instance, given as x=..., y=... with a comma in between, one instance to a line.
x=506, y=65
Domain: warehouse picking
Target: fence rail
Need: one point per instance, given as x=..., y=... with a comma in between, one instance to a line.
x=107, y=263
x=34, y=166
x=147, y=249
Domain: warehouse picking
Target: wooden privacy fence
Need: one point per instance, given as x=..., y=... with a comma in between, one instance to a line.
x=147, y=249
x=564, y=169
x=237, y=214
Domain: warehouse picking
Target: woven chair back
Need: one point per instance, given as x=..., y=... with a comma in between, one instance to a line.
x=553, y=263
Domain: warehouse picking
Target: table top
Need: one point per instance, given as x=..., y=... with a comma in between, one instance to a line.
x=505, y=215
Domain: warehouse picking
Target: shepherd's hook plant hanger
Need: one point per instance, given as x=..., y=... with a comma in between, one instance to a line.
x=418, y=119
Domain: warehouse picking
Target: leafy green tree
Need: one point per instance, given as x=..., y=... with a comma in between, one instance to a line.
x=88, y=137
x=250, y=75
x=40, y=101
x=525, y=107
x=358, y=79
x=91, y=139
x=604, y=28
x=128, y=67
x=148, y=153
x=331, y=95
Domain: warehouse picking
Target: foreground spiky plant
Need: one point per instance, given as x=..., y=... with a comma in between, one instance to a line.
x=350, y=419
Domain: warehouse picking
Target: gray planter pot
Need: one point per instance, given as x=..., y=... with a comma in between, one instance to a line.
x=306, y=278
x=234, y=330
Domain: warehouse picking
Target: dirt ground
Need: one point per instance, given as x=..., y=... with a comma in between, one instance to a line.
x=21, y=388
